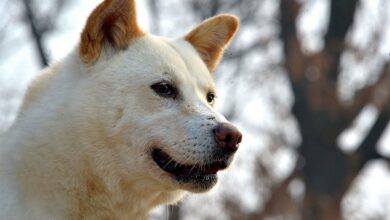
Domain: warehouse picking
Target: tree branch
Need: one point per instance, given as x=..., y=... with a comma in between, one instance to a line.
x=36, y=34
x=341, y=19
x=294, y=57
x=295, y=60
x=174, y=212
x=367, y=150
x=154, y=13
x=377, y=93
x=280, y=201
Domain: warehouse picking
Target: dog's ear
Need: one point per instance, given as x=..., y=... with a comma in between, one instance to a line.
x=113, y=22
x=212, y=36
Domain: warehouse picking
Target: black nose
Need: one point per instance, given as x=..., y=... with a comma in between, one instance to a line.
x=227, y=136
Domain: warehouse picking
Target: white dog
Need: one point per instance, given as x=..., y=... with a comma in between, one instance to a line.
x=124, y=123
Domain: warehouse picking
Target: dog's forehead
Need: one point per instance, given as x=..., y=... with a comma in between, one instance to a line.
x=173, y=59
x=194, y=65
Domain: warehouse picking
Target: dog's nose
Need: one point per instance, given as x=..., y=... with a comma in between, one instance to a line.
x=227, y=136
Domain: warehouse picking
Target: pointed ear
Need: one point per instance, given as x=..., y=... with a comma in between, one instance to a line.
x=113, y=22
x=212, y=36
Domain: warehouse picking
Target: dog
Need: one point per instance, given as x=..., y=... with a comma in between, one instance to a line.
x=122, y=124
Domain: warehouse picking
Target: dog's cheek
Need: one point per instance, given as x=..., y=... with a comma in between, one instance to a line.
x=116, y=116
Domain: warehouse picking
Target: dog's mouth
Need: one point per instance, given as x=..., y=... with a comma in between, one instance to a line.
x=203, y=175
x=166, y=163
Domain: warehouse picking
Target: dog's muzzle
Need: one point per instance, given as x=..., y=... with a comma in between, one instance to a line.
x=202, y=175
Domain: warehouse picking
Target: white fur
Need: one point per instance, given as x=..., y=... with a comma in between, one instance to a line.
x=92, y=126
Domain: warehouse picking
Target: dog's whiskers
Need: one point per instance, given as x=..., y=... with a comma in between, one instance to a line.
x=195, y=166
x=167, y=164
x=186, y=160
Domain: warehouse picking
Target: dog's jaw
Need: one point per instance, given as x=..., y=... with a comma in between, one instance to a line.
x=198, y=177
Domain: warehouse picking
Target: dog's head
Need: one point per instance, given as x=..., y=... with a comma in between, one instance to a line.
x=154, y=97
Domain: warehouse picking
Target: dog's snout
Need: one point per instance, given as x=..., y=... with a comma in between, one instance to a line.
x=227, y=136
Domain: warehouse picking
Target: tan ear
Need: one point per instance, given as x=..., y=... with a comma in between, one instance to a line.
x=212, y=36
x=113, y=22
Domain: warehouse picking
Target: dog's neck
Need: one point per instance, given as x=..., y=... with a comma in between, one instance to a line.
x=87, y=192
x=74, y=186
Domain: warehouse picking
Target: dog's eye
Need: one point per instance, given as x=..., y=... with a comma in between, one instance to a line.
x=164, y=89
x=210, y=97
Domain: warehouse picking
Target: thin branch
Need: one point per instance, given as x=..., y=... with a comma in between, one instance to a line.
x=377, y=93
x=154, y=12
x=36, y=34
x=206, y=10
x=174, y=212
x=367, y=150
x=239, y=53
x=280, y=200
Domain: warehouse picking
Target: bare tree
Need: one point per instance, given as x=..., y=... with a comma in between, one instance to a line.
x=326, y=171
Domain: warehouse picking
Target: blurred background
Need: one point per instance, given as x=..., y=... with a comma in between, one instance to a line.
x=307, y=81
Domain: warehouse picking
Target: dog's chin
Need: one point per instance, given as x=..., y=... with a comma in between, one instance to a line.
x=191, y=177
